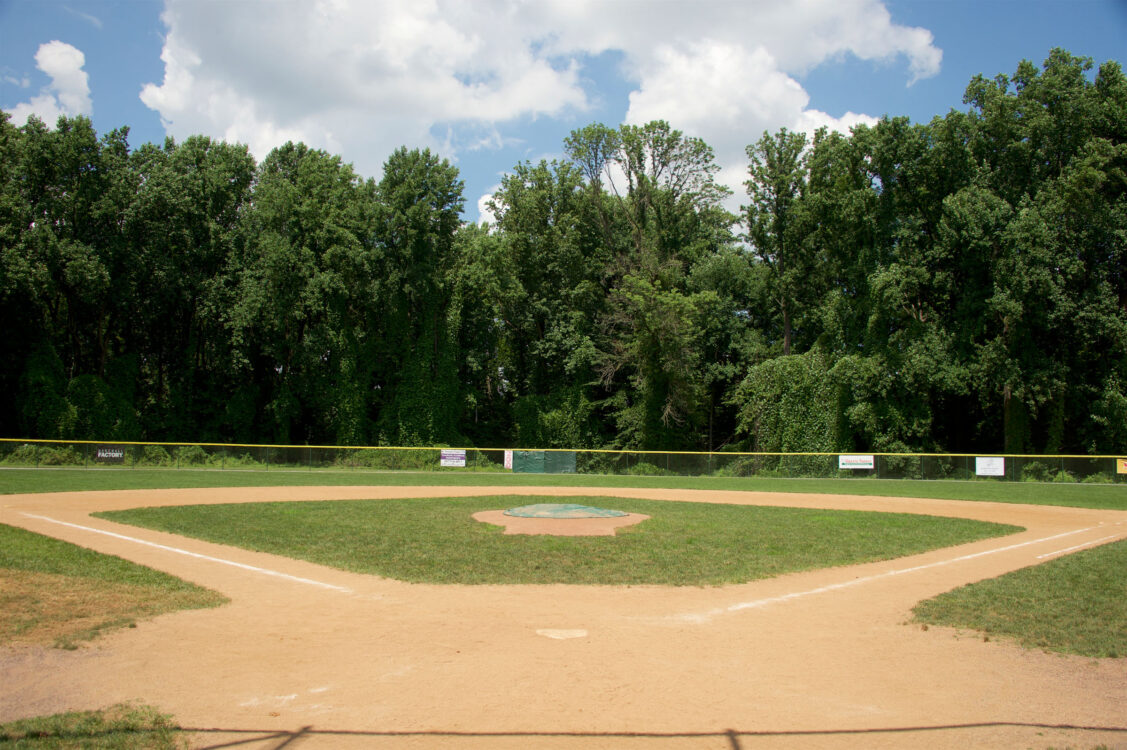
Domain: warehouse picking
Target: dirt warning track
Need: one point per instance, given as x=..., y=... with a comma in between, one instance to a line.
x=315, y=657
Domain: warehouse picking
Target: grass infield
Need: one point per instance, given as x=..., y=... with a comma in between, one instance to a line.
x=1109, y=497
x=683, y=544
x=55, y=593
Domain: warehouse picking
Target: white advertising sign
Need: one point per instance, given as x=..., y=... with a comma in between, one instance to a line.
x=990, y=466
x=509, y=460
x=453, y=458
x=855, y=462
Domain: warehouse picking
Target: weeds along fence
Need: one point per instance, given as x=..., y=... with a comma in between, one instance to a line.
x=1000, y=467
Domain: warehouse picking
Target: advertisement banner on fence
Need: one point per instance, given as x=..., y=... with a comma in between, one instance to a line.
x=110, y=454
x=855, y=462
x=509, y=460
x=455, y=458
x=990, y=466
x=1121, y=465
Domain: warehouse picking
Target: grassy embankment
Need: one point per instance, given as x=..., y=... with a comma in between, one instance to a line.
x=55, y=593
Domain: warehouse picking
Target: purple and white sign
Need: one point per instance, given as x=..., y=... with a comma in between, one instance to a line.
x=456, y=458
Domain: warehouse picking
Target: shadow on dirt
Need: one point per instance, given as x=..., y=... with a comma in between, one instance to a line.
x=275, y=740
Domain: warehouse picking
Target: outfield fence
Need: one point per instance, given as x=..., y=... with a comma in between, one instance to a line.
x=220, y=456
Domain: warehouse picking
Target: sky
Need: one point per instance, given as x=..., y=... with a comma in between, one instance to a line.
x=489, y=84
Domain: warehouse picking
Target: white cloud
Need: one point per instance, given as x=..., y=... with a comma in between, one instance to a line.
x=68, y=93
x=87, y=17
x=812, y=119
x=483, y=212
x=361, y=78
x=375, y=76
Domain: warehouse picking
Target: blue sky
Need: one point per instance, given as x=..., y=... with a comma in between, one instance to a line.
x=489, y=83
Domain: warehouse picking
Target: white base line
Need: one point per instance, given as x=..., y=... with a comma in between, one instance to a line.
x=1078, y=546
x=702, y=617
x=233, y=564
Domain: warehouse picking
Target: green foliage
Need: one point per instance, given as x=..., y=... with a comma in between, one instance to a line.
x=155, y=455
x=190, y=455
x=566, y=419
x=45, y=411
x=778, y=173
x=1034, y=471
x=955, y=285
x=789, y=404
x=644, y=469
x=45, y=455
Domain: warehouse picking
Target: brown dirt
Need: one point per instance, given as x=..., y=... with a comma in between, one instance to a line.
x=823, y=659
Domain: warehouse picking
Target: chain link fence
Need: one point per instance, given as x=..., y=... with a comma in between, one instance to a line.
x=1046, y=468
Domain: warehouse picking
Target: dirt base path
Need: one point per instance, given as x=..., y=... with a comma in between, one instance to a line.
x=311, y=657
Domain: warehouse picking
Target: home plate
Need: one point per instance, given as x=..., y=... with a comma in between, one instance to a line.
x=561, y=635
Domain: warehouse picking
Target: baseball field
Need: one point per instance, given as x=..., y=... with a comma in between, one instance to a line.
x=375, y=610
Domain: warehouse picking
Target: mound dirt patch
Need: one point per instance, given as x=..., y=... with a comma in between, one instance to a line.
x=559, y=520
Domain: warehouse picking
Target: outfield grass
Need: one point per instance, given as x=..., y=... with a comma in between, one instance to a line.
x=121, y=727
x=683, y=544
x=1075, y=604
x=55, y=593
x=1103, y=496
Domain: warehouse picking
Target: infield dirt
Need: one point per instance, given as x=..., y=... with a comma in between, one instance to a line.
x=308, y=656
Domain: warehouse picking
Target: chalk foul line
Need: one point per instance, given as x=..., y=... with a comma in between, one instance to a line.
x=1092, y=543
x=702, y=617
x=197, y=555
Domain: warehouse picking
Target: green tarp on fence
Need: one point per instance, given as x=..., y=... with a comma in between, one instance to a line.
x=544, y=462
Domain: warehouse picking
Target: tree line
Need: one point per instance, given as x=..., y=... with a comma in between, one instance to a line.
x=951, y=286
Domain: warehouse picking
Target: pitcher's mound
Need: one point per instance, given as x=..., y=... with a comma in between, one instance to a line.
x=560, y=519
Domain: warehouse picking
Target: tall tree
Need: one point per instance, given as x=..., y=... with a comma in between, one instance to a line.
x=183, y=229
x=777, y=177
x=661, y=191
x=420, y=197
x=305, y=281
x=551, y=270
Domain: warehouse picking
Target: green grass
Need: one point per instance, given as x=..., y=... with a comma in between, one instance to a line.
x=121, y=727
x=1075, y=604
x=1106, y=496
x=437, y=541
x=55, y=592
